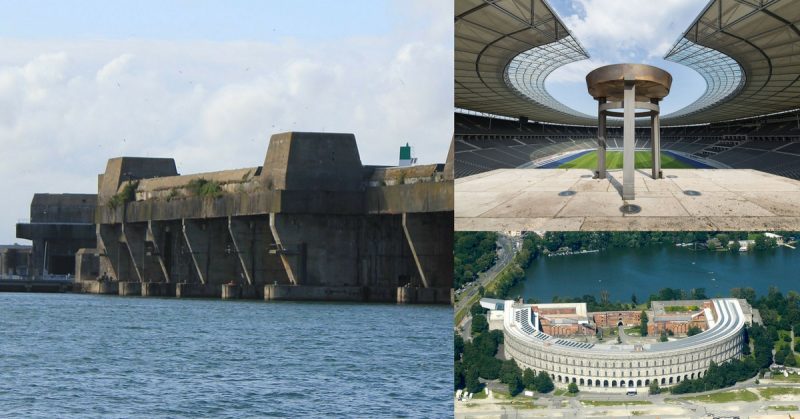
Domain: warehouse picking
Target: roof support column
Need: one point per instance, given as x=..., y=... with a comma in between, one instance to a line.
x=601, y=140
x=629, y=139
x=655, y=140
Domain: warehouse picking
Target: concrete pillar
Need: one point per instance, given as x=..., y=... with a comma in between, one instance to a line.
x=108, y=245
x=155, y=235
x=198, y=244
x=655, y=140
x=430, y=237
x=629, y=140
x=601, y=140
x=243, y=240
x=293, y=256
x=133, y=235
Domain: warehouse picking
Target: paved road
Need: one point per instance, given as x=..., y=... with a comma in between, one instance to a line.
x=664, y=405
x=505, y=254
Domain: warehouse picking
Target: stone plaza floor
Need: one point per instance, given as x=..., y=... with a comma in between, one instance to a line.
x=570, y=200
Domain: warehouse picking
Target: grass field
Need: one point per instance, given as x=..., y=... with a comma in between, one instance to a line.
x=725, y=397
x=614, y=161
x=771, y=392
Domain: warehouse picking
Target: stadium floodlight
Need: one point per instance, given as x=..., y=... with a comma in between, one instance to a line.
x=628, y=87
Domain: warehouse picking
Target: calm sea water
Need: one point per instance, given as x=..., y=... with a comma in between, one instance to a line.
x=70, y=355
x=623, y=272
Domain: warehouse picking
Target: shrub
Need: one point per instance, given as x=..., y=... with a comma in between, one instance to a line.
x=127, y=194
x=205, y=188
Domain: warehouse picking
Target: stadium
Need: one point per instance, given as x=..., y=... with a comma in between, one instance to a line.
x=611, y=367
x=730, y=159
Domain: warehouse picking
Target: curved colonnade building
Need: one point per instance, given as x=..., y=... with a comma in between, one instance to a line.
x=601, y=367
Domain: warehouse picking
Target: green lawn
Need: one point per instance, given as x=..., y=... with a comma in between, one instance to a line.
x=770, y=392
x=792, y=378
x=479, y=395
x=785, y=408
x=563, y=392
x=614, y=161
x=725, y=397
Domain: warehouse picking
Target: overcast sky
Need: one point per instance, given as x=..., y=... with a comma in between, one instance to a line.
x=208, y=82
x=629, y=31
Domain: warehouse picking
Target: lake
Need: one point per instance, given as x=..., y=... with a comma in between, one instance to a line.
x=644, y=271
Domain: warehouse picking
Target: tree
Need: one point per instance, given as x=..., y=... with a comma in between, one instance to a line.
x=604, y=298
x=458, y=344
x=693, y=330
x=790, y=360
x=489, y=368
x=780, y=357
x=479, y=324
x=654, y=389
x=476, y=309
x=459, y=375
x=509, y=370
x=699, y=293
x=572, y=388
x=529, y=379
x=633, y=299
x=515, y=386
x=543, y=383
x=472, y=383
x=643, y=324
x=663, y=337
x=748, y=294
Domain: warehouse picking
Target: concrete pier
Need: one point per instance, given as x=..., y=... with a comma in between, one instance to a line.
x=198, y=290
x=407, y=295
x=34, y=286
x=130, y=288
x=241, y=292
x=97, y=287
x=281, y=292
x=158, y=289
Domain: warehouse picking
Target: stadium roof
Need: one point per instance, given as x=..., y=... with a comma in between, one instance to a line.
x=746, y=50
x=504, y=50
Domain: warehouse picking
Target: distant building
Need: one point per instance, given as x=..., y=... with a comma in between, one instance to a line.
x=60, y=224
x=15, y=260
x=492, y=303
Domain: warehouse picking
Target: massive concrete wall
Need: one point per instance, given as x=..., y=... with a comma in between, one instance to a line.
x=312, y=216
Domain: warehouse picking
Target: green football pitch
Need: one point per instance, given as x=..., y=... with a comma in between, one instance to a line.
x=614, y=161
